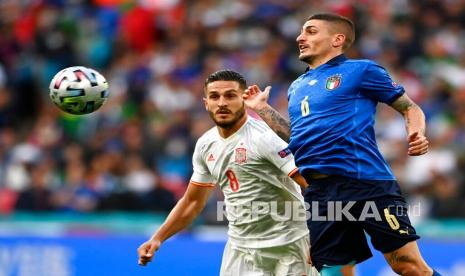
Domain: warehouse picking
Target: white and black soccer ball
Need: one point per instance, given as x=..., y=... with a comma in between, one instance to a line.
x=78, y=90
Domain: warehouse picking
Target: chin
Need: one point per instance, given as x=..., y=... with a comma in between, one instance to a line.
x=225, y=123
x=306, y=58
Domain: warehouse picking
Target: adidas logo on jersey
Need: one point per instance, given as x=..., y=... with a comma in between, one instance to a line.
x=211, y=157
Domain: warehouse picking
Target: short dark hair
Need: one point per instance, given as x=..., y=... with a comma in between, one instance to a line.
x=342, y=24
x=226, y=75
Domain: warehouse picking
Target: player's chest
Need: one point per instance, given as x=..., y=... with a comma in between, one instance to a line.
x=223, y=159
x=321, y=91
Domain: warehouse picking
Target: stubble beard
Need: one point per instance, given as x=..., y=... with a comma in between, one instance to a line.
x=309, y=59
x=231, y=123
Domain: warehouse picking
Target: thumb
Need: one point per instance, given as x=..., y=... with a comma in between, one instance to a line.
x=412, y=136
x=152, y=248
x=267, y=90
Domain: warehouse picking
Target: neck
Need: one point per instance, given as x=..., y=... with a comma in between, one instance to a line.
x=226, y=132
x=317, y=61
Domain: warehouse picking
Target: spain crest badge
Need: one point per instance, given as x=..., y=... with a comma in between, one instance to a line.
x=333, y=82
x=241, y=156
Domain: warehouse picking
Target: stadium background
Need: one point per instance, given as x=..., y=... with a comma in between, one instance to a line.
x=79, y=194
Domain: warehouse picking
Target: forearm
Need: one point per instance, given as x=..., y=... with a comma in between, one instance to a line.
x=280, y=125
x=299, y=179
x=415, y=120
x=179, y=218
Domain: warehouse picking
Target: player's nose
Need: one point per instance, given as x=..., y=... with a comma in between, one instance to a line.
x=222, y=101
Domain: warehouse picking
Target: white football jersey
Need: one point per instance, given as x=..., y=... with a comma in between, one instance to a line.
x=263, y=204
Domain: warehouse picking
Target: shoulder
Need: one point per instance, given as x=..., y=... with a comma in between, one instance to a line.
x=297, y=80
x=261, y=134
x=206, y=139
x=257, y=127
x=367, y=67
x=362, y=62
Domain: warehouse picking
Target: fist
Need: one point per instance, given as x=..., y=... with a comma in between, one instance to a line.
x=147, y=250
x=417, y=144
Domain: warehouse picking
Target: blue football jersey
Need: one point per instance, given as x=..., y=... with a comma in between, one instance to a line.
x=332, y=113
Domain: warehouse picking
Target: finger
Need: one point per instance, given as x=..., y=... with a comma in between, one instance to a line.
x=412, y=136
x=418, y=142
x=309, y=260
x=422, y=145
x=418, y=148
x=255, y=89
x=267, y=89
x=141, y=251
x=142, y=262
x=418, y=152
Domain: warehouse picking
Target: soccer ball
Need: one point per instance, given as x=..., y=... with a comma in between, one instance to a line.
x=78, y=90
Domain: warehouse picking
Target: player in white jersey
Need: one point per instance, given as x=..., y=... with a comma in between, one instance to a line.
x=252, y=166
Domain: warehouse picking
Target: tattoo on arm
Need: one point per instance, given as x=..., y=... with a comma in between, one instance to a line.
x=276, y=122
x=403, y=103
x=395, y=257
x=412, y=113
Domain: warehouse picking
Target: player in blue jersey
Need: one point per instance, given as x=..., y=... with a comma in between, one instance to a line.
x=331, y=134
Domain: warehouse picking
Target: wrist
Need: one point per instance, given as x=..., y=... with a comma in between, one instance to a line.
x=261, y=108
x=156, y=239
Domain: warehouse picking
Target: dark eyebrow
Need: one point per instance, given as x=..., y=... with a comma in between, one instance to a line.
x=227, y=91
x=308, y=27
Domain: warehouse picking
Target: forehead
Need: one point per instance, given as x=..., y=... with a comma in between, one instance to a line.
x=315, y=23
x=221, y=86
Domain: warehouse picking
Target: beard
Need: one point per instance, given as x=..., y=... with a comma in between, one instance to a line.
x=307, y=58
x=227, y=124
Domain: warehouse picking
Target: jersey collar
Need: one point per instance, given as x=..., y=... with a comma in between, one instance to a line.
x=335, y=60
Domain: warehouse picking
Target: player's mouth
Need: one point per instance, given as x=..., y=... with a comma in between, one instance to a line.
x=302, y=48
x=223, y=112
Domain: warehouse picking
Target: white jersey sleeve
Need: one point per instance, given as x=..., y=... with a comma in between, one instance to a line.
x=272, y=148
x=201, y=175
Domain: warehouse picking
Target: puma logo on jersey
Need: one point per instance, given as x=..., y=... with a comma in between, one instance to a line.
x=211, y=157
x=403, y=231
x=312, y=82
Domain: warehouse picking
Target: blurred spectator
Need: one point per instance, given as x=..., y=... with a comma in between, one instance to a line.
x=37, y=196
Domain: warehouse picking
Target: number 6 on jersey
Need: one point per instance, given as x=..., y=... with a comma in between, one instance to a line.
x=305, y=107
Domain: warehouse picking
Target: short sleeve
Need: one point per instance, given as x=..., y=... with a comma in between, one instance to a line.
x=272, y=148
x=201, y=176
x=378, y=85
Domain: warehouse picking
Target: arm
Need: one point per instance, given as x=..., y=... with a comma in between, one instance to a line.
x=415, y=124
x=299, y=179
x=256, y=100
x=182, y=215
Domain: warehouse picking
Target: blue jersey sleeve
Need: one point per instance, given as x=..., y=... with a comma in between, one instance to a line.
x=378, y=85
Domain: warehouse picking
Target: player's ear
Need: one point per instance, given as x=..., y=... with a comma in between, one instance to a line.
x=205, y=103
x=338, y=40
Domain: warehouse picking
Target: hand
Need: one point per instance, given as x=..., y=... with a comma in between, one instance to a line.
x=417, y=144
x=256, y=99
x=309, y=257
x=147, y=250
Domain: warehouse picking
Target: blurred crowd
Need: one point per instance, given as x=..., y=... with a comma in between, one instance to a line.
x=134, y=154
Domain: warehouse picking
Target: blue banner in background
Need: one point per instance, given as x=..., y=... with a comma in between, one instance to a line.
x=183, y=255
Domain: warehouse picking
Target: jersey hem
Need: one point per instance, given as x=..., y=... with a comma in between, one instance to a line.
x=206, y=185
